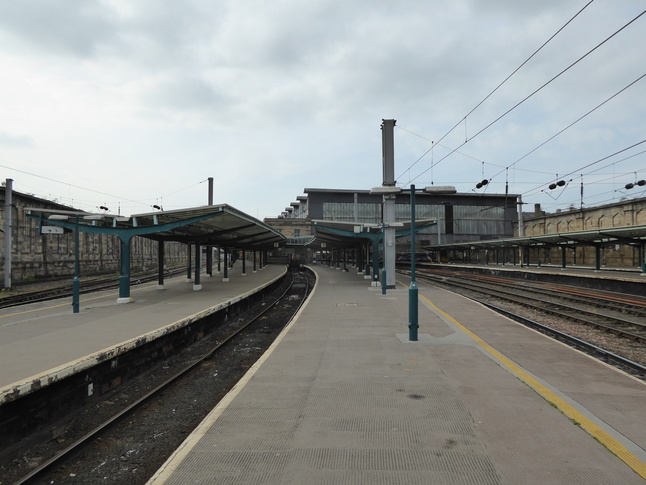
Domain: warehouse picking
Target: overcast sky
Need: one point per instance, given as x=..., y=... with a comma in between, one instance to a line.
x=129, y=104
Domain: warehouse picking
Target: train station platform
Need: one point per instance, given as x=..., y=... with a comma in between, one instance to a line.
x=43, y=342
x=344, y=397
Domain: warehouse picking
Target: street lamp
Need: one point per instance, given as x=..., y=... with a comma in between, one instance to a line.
x=413, y=324
x=413, y=321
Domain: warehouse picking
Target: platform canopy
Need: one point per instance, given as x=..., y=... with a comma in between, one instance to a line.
x=214, y=225
x=631, y=235
x=338, y=234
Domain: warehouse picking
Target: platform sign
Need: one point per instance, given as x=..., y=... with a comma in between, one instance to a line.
x=52, y=230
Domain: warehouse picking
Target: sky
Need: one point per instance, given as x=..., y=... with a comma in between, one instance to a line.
x=128, y=104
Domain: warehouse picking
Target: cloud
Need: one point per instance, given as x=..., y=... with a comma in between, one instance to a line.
x=278, y=97
x=16, y=141
x=62, y=27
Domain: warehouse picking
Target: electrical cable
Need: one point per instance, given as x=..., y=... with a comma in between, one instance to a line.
x=579, y=170
x=139, y=202
x=500, y=84
x=68, y=184
x=530, y=95
x=573, y=123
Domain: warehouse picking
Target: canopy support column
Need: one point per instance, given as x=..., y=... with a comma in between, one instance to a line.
x=160, y=264
x=197, y=286
x=189, y=257
x=375, y=262
x=124, y=277
x=225, y=279
x=563, y=257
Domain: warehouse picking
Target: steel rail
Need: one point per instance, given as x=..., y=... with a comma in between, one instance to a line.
x=64, y=291
x=599, y=352
x=564, y=311
x=569, y=339
x=75, y=447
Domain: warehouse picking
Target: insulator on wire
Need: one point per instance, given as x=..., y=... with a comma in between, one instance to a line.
x=630, y=186
x=552, y=186
x=560, y=183
x=641, y=183
x=484, y=182
x=478, y=185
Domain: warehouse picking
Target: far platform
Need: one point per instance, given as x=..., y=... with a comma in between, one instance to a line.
x=41, y=340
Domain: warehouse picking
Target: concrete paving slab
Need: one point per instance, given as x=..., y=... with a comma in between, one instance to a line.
x=41, y=338
x=348, y=399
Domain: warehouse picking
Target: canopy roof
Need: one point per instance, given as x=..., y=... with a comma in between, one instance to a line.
x=631, y=235
x=214, y=225
x=339, y=234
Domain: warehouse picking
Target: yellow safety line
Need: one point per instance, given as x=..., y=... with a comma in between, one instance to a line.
x=587, y=424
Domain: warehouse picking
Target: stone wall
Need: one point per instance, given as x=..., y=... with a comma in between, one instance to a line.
x=291, y=227
x=35, y=256
x=620, y=214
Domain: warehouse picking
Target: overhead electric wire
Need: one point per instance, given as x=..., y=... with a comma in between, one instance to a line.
x=69, y=185
x=118, y=198
x=529, y=96
x=500, y=84
x=571, y=124
x=580, y=170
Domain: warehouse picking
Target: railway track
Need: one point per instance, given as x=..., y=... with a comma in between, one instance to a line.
x=616, y=314
x=130, y=445
x=622, y=317
x=65, y=290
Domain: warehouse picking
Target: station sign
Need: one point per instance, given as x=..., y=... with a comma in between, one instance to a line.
x=51, y=230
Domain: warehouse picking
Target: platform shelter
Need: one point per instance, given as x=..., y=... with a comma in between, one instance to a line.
x=219, y=226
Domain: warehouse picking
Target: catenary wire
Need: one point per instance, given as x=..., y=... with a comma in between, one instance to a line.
x=580, y=170
x=500, y=84
x=527, y=97
x=571, y=124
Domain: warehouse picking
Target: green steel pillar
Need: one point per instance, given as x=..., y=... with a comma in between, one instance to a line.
x=413, y=324
x=160, y=263
x=383, y=281
x=226, y=265
x=563, y=256
x=76, y=283
x=375, y=262
x=189, y=256
x=597, y=258
x=197, y=286
x=124, y=278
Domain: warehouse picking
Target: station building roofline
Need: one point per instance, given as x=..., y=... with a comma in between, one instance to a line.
x=631, y=235
x=215, y=225
x=404, y=193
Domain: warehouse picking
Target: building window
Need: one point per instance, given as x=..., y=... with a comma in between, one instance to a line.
x=297, y=233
